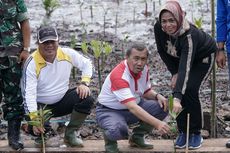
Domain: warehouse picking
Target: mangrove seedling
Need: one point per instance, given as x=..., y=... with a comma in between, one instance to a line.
x=38, y=119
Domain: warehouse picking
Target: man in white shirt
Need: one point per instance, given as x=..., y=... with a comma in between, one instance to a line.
x=45, y=81
x=126, y=98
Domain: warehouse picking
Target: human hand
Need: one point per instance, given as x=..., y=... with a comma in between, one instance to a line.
x=176, y=105
x=163, y=127
x=173, y=81
x=38, y=130
x=23, y=56
x=83, y=91
x=163, y=102
x=220, y=59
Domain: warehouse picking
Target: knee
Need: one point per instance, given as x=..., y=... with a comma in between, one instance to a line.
x=85, y=105
x=117, y=132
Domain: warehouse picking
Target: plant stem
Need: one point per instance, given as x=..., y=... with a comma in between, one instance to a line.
x=43, y=144
x=91, y=13
x=99, y=73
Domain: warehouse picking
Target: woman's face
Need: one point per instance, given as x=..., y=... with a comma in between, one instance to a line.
x=168, y=23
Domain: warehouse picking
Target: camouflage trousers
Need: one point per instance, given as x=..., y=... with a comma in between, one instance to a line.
x=10, y=74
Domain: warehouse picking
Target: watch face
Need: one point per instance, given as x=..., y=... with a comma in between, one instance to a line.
x=26, y=49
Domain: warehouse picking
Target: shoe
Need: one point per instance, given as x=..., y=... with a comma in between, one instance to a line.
x=195, y=141
x=181, y=141
x=228, y=144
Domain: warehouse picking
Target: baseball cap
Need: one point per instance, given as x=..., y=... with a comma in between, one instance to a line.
x=47, y=33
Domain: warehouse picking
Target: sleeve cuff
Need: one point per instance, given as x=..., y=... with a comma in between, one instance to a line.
x=85, y=79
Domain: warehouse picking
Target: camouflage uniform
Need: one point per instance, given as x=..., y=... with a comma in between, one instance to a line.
x=11, y=43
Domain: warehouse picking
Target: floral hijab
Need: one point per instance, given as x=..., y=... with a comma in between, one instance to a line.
x=174, y=7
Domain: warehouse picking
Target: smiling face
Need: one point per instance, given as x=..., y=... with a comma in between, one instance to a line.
x=48, y=50
x=137, y=60
x=168, y=22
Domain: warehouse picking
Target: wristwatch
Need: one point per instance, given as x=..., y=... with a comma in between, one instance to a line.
x=26, y=49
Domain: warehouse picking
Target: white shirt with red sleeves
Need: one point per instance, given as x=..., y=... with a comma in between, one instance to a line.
x=122, y=86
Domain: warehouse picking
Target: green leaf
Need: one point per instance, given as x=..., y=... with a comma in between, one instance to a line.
x=84, y=47
x=73, y=42
x=171, y=113
x=170, y=103
x=199, y=22
x=47, y=111
x=107, y=48
x=96, y=47
x=34, y=123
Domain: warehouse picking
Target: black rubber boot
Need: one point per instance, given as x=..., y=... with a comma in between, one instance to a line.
x=228, y=144
x=14, y=134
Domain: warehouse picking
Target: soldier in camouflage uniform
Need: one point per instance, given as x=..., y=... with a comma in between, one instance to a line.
x=14, y=50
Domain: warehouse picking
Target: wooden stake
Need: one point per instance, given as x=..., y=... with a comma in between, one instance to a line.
x=187, y=134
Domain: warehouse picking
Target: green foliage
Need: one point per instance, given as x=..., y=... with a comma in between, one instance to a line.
x=73, y=42
x=50, y=6
x=107, y=48
x=198, y=22
x=171, y=113
x=38, y=119
x=100, y=50
x=96, y=47
x=84, y=47
x=198, y=2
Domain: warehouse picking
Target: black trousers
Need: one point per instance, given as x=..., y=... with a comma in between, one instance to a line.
x=70, y=102
x=190, y=100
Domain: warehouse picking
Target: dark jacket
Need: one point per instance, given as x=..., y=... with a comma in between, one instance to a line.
x=181, y=53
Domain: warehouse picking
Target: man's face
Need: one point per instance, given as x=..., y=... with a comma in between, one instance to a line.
x=137, y=60
x=48, y=50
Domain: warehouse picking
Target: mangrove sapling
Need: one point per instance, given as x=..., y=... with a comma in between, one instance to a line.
x=73, y=42
x=100, y=49
x=118, y=2
x=116, y=22
x=84, y=47
x=124, y=43
x=91, y=12
x=95, y=45
x=105, y=13
x=49, y=6
x=172, y=123
x=198, y=22
x=146, y=9
x=38, y=119
x=134, y=13
x=81, y=4
x=154, y=8
x=160, y=2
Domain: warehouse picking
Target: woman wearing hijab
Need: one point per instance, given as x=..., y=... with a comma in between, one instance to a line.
x=189, y=54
